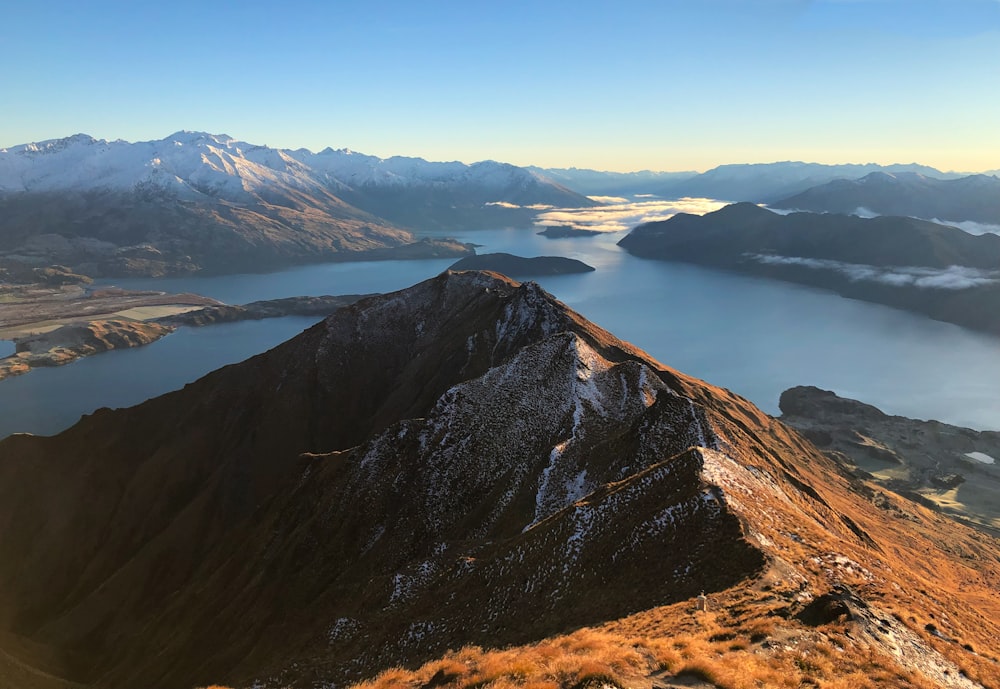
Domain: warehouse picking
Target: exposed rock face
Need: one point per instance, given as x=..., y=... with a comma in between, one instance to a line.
x=923, y=460
x=518, y=266
x=465, y=461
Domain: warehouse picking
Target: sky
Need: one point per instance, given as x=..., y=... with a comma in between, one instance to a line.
x=624, y=85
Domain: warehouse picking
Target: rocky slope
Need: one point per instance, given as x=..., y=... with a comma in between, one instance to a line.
x=975, y=198
x=465, y=461
x=952, y=468
x=936, y=270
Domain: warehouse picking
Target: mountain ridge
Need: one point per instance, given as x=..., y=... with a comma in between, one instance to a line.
x=464, y=461
x=972, y=198
x=199, y=202
x=911, y=264
x=771, y=182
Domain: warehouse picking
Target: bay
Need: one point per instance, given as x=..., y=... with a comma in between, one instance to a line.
x=754, y=336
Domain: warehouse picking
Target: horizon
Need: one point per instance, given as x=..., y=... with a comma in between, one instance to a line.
x=665, y=86
x=237, y=139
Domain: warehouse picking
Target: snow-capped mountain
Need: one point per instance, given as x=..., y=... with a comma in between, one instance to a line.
x=196, y=201
x=196, y=164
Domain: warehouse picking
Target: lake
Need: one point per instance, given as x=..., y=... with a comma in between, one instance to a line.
x=754, y=336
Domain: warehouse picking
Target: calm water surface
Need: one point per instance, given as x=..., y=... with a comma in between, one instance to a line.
x=754, y=336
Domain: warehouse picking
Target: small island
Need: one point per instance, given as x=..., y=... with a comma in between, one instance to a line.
x=519, y=266
x=566, y=231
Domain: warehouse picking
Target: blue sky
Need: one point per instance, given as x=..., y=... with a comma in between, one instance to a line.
x=625, y=85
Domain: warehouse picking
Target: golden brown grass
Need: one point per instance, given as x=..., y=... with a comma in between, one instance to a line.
x=713, y=647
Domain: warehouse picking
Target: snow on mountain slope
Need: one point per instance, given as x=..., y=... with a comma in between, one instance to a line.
x=193, y=163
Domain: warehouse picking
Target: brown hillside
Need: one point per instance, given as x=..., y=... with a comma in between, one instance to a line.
x=464, y=462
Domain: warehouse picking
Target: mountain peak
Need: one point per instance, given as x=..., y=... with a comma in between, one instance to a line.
x=463, y=462
x=192, y=138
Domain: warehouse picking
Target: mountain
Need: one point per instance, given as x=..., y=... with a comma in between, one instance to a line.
x=768, y=182
x=428, y=196
x=936, y=270
x=975, y=198
x=196, y=201
x=603, y=183
x=463, y=462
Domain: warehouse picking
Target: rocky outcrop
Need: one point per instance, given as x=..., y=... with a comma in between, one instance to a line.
x=518, y=266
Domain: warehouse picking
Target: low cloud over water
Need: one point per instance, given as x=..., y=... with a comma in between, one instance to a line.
x=952, y=277
x=618, y=214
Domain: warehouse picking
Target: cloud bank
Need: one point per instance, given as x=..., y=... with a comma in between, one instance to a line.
x=507, y=204
x=970, y=226
x=952, y=277
x=621, y=214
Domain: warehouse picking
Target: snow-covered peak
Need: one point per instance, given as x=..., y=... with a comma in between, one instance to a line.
x=51, y=146
x=194, y=163
x=185, y=137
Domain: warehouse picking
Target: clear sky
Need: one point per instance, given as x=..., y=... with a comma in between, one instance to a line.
x=625, y=85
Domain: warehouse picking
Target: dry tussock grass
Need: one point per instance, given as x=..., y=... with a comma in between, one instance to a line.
x=713, y=647
x=582, y=657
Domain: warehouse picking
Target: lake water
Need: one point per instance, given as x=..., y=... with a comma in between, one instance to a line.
x=754, y=336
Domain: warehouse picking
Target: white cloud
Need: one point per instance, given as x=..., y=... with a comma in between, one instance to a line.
x=952, y=277
x=624, y=215
x=508, y=204
x=971, y=226
x=608, y=199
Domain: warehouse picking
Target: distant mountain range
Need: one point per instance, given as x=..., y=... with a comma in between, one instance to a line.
x=195, y=201
x=601, y=183
x=769, y=182
x=465, y=462
x=975, y=198
x=937, y=270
